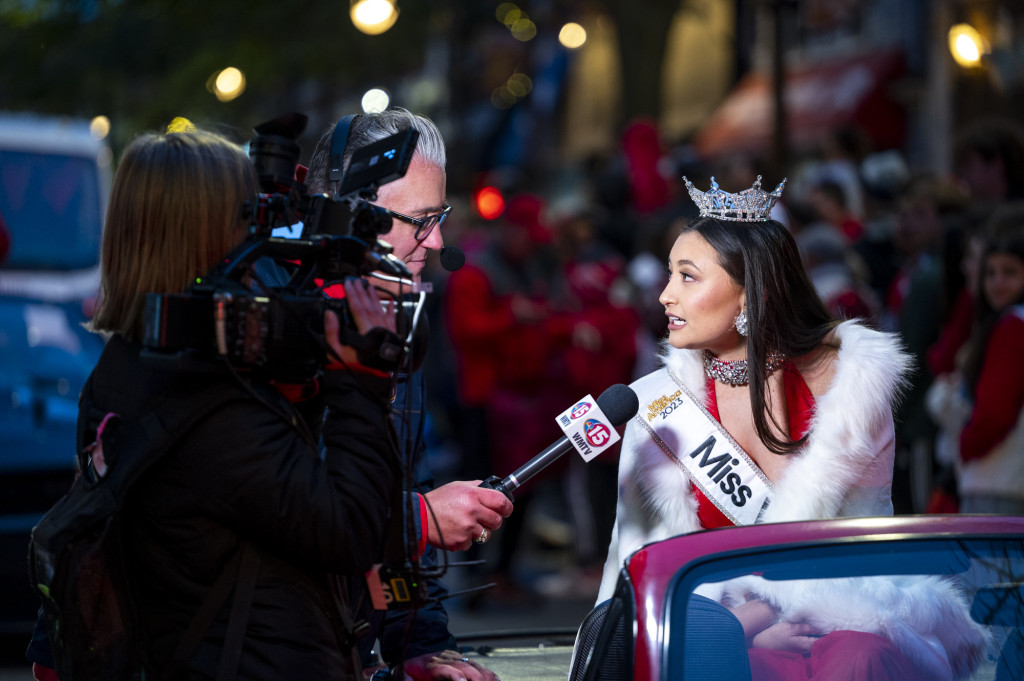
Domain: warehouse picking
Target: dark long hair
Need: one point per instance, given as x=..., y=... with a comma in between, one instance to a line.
x=1004, y=233
x=784, y=310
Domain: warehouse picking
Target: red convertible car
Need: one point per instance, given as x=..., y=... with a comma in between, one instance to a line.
x=946, y=592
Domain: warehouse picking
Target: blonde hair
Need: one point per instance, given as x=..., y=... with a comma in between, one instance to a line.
x=175, y=209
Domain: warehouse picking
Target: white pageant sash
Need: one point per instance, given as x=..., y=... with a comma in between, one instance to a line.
x=699, y=445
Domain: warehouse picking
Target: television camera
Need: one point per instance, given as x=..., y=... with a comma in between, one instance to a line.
x=261, y=308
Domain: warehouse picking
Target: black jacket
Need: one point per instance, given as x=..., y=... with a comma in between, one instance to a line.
x=398, y=639
x=251, y=473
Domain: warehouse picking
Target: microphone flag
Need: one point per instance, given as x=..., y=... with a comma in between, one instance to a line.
x=587, y=428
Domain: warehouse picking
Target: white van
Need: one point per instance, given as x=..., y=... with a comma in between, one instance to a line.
x=54, y=184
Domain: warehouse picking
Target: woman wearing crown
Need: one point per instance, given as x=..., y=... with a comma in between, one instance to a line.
x=767, y=410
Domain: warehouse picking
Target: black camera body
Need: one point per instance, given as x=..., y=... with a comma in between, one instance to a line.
x=261, y=308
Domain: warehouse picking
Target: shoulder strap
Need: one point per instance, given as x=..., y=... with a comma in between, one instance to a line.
x=240, y=573
x=238, y=619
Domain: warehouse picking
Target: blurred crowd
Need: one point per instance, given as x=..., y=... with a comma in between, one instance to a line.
x=559, y=299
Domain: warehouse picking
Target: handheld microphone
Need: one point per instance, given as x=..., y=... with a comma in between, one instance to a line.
x=452, y=258
x=619, y=403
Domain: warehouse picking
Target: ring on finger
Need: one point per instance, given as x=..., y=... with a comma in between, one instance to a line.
x=485, y=534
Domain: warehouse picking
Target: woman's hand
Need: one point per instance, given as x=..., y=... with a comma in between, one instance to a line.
x=794, y=637
x=448, y=665
x=755, y=616
x=367, y=312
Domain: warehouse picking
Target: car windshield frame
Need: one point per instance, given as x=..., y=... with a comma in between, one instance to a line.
x=878, y=556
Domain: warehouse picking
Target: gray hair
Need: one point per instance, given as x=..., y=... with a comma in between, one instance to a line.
x=369, y=128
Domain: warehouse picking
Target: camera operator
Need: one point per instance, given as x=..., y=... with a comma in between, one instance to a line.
x=454, y=515
x=245, y=494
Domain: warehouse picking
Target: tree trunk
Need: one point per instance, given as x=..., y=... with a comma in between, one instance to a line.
x=642, y=27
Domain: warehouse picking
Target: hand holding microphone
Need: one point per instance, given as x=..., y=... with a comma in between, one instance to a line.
x=618, y=403
x=460, y=512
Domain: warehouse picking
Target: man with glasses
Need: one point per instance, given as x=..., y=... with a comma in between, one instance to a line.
x=453, y=516
x=424, y=225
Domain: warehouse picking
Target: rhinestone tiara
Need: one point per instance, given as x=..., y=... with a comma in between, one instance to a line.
x=750, y=205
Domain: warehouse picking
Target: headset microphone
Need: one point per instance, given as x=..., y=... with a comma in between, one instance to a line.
x=452, y=258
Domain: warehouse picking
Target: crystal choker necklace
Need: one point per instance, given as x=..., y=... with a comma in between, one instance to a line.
x=735, y=373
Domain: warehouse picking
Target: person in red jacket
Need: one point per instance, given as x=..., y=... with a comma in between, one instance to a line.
x=500, y=322
x=596, y=326
x=992, y=440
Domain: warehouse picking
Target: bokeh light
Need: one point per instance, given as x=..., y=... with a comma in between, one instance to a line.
x=511, y=91
x=966, y=45
x=519, y=84
x=99, y=127
x=524, y=29
x=572, y=35
x=375, y=100
x=490, y=203
x=507, y=13
x=229, y=84
x=518, y=23
x=373, y=17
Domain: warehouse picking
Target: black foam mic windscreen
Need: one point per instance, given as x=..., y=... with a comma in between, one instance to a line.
x=452, y=258
x=619, y=403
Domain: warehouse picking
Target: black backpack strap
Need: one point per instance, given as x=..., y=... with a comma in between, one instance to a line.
x=351, y=631
x=204, y=617
x=239, y=574
x=238, y=620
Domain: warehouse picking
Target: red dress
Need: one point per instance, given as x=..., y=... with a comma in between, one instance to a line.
x=840, y=655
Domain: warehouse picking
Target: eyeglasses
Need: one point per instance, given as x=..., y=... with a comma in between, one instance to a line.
x=424, y=225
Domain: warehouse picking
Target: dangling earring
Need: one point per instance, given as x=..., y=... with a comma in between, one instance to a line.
x=742, y=324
